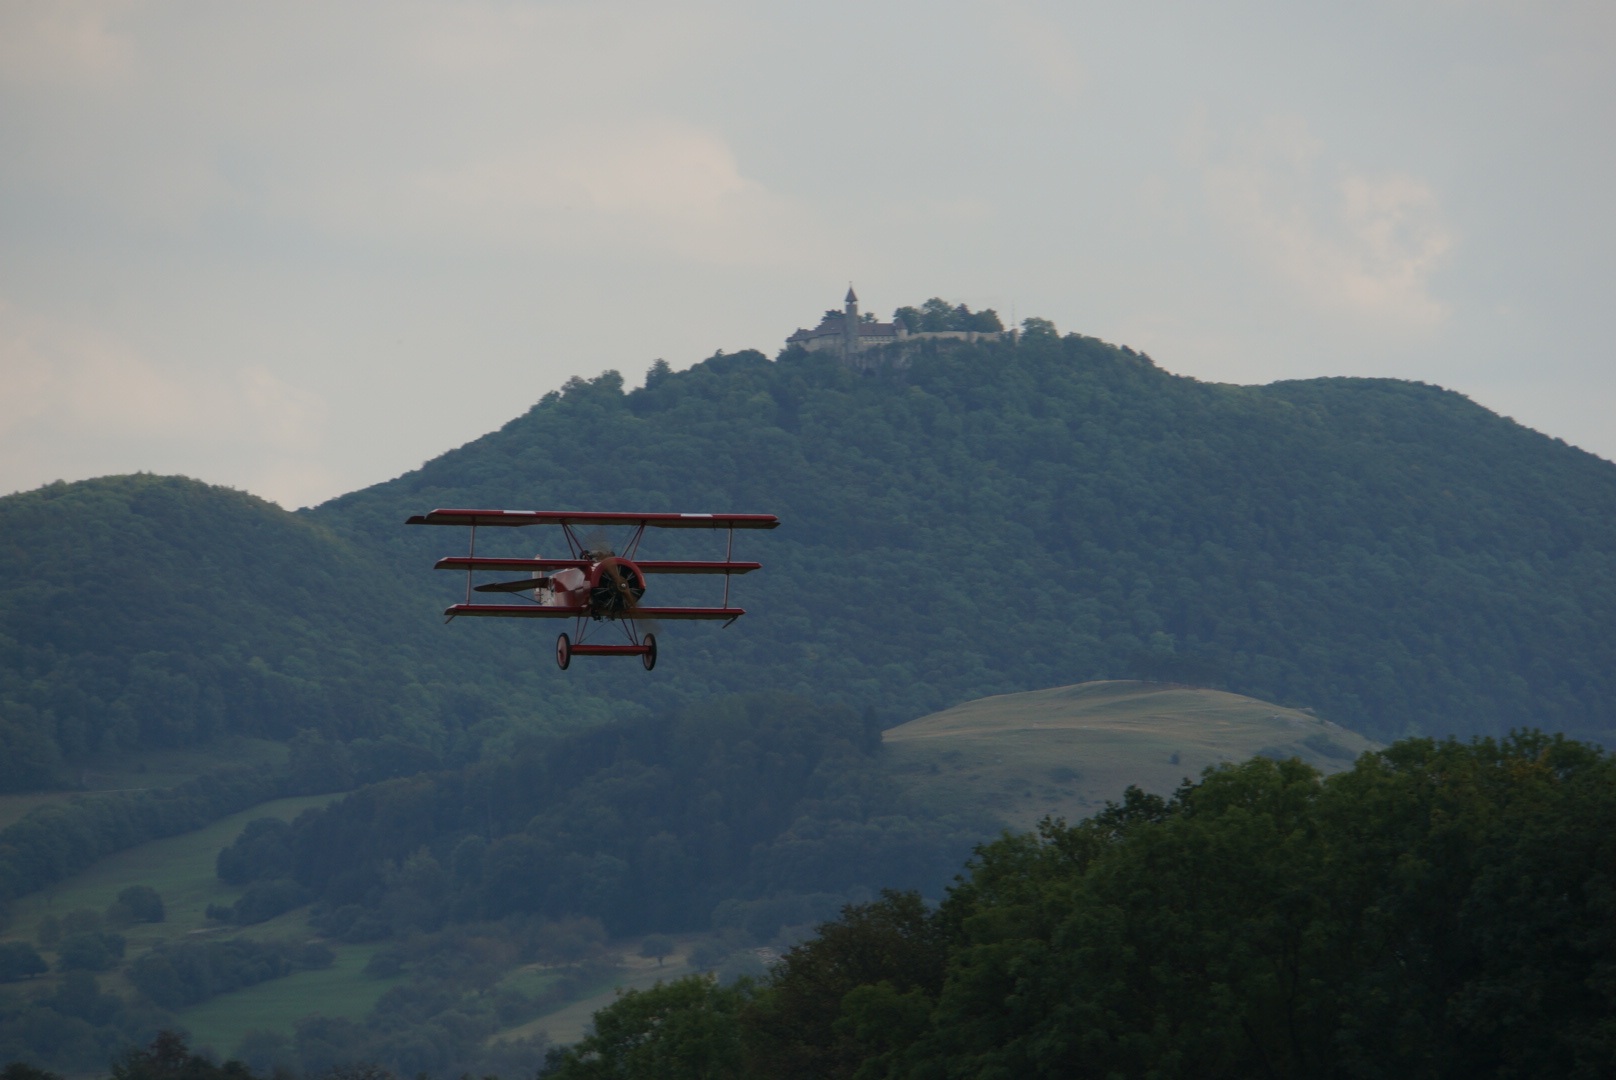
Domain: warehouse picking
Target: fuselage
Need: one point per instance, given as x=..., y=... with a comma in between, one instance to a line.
x=609, y=589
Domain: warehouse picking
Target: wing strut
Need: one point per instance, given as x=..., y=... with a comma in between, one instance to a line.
x=729, y=556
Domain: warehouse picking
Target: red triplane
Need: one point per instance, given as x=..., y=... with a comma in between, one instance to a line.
x=596, y=583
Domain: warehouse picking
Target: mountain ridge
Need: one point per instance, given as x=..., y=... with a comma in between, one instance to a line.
x=1086, y=468
x=973, y=520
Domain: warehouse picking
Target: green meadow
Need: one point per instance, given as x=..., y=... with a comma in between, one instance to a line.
x=1064, y=752
x=342, y=990
x=180, y=868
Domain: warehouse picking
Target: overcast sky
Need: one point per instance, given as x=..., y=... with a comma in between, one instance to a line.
x=301, y=248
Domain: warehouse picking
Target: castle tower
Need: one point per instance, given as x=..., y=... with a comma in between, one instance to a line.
x=850, y=323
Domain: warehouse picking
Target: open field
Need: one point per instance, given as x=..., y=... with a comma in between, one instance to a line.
x=569, y=1023
x=343, y=989
x=1065, y=751
x=148, y=769
x=180, y=868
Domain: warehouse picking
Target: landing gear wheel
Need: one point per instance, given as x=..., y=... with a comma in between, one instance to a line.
x=648, y=657
x=563, y=651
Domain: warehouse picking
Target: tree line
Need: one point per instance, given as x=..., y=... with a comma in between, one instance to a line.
x=1440, y=911
x=648, y=825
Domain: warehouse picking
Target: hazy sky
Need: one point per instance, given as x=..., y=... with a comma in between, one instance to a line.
x=300, y=248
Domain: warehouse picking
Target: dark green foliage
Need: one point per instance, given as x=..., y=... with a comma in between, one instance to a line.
x=19, y=1071
x=20, y=960
x=136, y=904
x=57, y=840
x=263, y=850
x=991, y=518
x=645, y=824
x=689, y=1028
x=144, y=611
x=265, y=1052
x=1035, y=330
x=960, y=521
x=833, y=998
x=438, y=1019
x=168, y=1058
x=185, y=973
x=89, y=951
x=938, y=314
x=1440, y=911
x=77, y=1027
x=264, y=900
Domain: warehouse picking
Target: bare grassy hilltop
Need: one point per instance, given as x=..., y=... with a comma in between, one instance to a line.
x=1067, y=750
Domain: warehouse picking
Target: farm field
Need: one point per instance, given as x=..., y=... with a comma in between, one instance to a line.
x=1065, y=751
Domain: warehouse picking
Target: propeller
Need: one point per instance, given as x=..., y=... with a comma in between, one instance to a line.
x=622, y=589
x=597, y=545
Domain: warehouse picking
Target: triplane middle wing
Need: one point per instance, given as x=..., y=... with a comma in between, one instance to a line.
x=595, y=583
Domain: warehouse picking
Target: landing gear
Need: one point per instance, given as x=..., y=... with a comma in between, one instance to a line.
x=563, y=651
x=648, y=657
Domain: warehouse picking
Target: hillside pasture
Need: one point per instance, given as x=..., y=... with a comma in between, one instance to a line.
x=1065, y=751
x=180, y=868
x=341, y=990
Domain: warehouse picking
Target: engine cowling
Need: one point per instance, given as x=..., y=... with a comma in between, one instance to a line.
x=615, y=587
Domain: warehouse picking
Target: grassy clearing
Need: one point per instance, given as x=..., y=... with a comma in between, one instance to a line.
x=532, y=980
x=180, y=868
x=1065, y=751
x=148, y=769
x=569, y=1023
x=342, y=990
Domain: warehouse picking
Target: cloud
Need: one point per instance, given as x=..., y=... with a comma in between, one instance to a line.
x=79, y=402
x=1042, y=47
x=653, y=185
x=1345, y=240
x=486, y=126
x=60, y=42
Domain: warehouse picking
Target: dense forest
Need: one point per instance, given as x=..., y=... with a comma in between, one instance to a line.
x=1441, y=911
x=764, y=804
x=750, y=818
x=960, y=520
x=974, y=519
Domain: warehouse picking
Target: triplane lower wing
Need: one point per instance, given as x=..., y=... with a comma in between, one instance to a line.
x=595, y=583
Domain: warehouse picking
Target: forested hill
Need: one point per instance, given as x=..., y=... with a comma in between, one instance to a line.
x=142, y=612
x=978, y=519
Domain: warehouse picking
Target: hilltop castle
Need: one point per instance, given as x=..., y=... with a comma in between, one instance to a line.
x=848, y=334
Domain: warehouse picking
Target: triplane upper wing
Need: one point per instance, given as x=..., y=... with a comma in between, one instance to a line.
x=595, y=583
x=568, y=517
